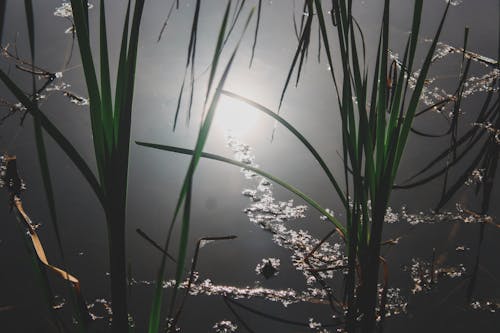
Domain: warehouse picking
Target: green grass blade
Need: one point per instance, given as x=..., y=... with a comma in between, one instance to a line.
x=122, y=74
x=236, y=14
x=154, y=316
x=184, y=237
x=40, y=145
x=165, y=23
x=416, y=94
x=58, y=137
x=257, y=25
x=415, y=30
x=304, y=37
x=126, y=110
x=382, y=95
x=203, y=135
x=324, y=34
x=297, y=134
x=187, y=183
x=106, y=102
x=192, y=56
x=217, y=51
x=80, y=17
x=263, y=173
x=179, y=100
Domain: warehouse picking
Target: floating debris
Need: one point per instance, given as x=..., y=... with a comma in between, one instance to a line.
x=265, y=210
x=243, y=153
x=3, y=170
x=171, y=327
x=225, y=326
x=313, y=324
x=268, y=267
x=460, y=215
x=431, y=95
x=272, y=215
x=71, y=30
x=63, y=86
x=396, y=304
x=492, y=130
x=426, y=274
x=13, y=108
x=283, y=296
x=100, y=309
x=487, y=306
x=329, y=211
x=462, y=248
x=58, y=302
x=78, y=100
x=65, y=10
x=476, y=177
x=251, y=194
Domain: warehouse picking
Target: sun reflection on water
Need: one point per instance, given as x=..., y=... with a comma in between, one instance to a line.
x=237, y=118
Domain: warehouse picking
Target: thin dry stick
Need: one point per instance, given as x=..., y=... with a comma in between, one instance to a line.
x=191, y=274
x=334, y=303
x=152, y=242
x=15, y=185
x=483, y=218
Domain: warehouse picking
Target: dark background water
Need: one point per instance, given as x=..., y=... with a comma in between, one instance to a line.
x=155, y=177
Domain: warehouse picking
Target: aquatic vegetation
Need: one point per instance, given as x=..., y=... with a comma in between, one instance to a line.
x=377, y=100
x=110, y=129
x=426, y=274
x=225, y=326
x=375, y=131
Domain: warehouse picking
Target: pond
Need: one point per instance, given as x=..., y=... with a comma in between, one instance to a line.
x=270, y=271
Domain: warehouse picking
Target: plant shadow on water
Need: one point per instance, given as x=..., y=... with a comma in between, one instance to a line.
x=347, y=275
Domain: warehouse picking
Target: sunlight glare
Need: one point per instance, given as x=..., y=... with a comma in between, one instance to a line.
x=236, y=117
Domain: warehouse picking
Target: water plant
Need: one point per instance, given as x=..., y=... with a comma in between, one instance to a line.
x=376, y=121
x=111, y=124
x=377, y=101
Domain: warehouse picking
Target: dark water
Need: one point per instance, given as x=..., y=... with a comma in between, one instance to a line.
x=465, y=260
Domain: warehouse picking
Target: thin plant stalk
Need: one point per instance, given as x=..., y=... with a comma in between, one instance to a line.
x=111, y=124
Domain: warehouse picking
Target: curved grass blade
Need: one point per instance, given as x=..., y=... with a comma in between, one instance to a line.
x=263, y=173
x=295, y=132
x=58, y=137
